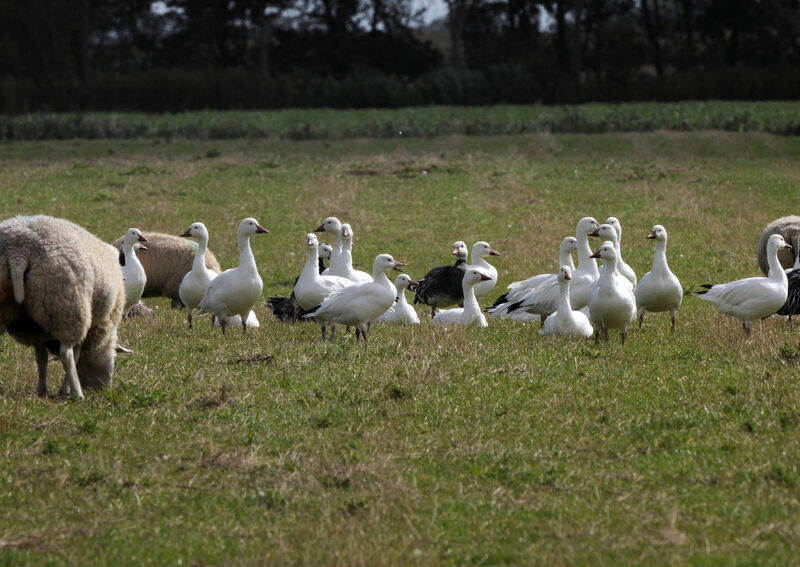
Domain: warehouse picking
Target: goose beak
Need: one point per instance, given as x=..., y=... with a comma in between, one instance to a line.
x=494, y=253
x=595, y=255
x=595, y=232
x=142, y=239
x=455, y=252
x=484, y=277
x=261, y=230
x=345, y=233
x=651, y=235
x=398, y=265
x=788, y=247
x=142, y=247
x=186, y=233
x=309, y=242
x=320, y=228
x=567, y=277
x=412, y=285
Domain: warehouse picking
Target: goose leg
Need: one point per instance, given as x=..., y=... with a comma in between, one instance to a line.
x=222, y=322
x=189, y=316
x=324, y=330
x=213, y=320
x=433, y=312
x=791, y=326
x=746, y=328
x=333, y=330
x=641, y=318
x=596, y=335
x=672, y=318
x=41, y=366
x=623, y=335
x=605, y=333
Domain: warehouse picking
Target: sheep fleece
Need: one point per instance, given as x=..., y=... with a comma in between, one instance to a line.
x=72, y=290
x=166, y=261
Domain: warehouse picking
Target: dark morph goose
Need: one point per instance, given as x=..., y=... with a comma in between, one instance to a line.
x=441, y=286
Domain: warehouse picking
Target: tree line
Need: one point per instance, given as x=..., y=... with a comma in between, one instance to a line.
x=171, y=55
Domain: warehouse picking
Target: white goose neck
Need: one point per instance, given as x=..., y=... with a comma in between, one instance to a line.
x=311, y=267
x=565, y=259
x=199, y=262
x=660, y=257
x=585, y=262
x=246, y=259
x=471, y=307
x=776, y=271
x=564, y=305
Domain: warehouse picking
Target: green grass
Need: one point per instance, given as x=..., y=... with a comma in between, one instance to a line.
x=327, y=124
x=434, y=446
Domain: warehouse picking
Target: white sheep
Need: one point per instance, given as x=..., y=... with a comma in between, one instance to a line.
x=166, y=261
x=61, y=290
x=788, y=227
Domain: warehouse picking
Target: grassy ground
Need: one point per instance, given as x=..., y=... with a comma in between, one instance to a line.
x=326, y=124
x=476, y=446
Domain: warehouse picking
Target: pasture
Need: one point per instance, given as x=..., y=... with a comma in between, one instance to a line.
x=434, y=446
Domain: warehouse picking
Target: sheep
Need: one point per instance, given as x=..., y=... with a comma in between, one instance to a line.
x=61, y=290
x=788, y=227
x=166, y=261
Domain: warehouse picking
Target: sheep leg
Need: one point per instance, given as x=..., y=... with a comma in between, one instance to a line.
x=41, y=366
x=71, y=383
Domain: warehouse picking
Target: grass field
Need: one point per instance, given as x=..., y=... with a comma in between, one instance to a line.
x=778, y=117
x=434, y=446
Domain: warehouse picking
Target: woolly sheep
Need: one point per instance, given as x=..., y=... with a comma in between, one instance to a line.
x=788, y=227
x=61, y=290
x=166, y=261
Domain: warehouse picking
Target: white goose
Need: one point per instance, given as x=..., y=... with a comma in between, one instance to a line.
x=506, y=305
x=195, y=282
x=332, y=226
x=565, y=321
x=751, y=299
x=480, y=250
x=543, y=299
x=607, y=232
x=132, y=271
x=311, y=288
x=236, y=290
x=344, y=263
x=612, y=304
x=401, y=311
x=622, y=266
x=359, y=304
x=659, y=290
x=470, y=314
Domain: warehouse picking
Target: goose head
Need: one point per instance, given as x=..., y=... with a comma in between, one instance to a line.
x=658, y=233
x=586, y=225
x=311, y=242
x=250, y=226
x=196, y=230
x=776, y=242
x=564, y=274
x=482, y=249
x=385, y=262
x=403, y=281
x=133, y=236
x=606, y=252
x=347, y=233
x=460, y=250
x=330, y=224
x=324, y=250
x=473, y=276
x=606, y=232
x=614, y=221
x=569, y=244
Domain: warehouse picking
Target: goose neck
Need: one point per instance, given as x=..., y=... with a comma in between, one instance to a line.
x=563, y=300
x=246, y=258
x=565, y=259
x=776, y=271
x=585, y=262
x=471, y=306
x=199, y=262
x=660, y=258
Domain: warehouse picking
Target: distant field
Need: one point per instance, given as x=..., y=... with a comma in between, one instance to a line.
x=434, y=446
x=322, y=124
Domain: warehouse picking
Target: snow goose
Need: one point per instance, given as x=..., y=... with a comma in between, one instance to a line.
x=358, y=304
x=332, y=226
x=285, y=308
x=344, y=264
x=792, y=304
x=751, y=299
x=441, y=286
x=517, y=290
x=622, y=266
x=480, y=250
x=236, y=290
x=470, y=314
x=565, y=321
x=132, y=271
x=612, y=304
x=401, y=311
x=607, y=232
x=658, y=290
x=311, y=288
x=543, y=299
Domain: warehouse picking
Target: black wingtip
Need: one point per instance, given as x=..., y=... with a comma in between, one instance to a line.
x=500, y=300
x=514, y=306
x=707, y=285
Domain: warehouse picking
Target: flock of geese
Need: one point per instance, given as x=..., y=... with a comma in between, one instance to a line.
x=580, y=301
